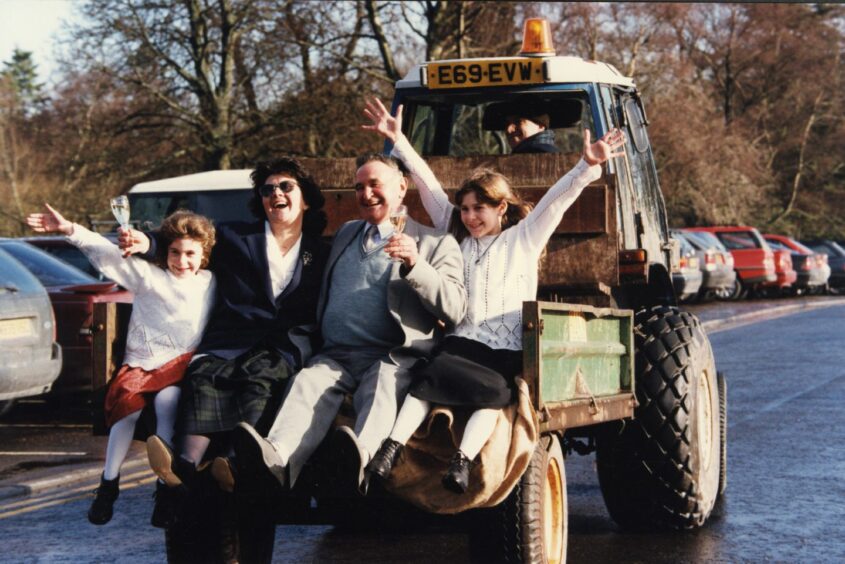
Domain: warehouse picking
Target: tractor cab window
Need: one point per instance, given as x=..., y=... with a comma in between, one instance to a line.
x=462, y=124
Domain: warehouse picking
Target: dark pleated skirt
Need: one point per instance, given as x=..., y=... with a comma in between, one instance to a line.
x=465, y=373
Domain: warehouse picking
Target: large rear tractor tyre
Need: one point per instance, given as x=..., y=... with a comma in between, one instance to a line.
x=661, y=470
x=722, y=383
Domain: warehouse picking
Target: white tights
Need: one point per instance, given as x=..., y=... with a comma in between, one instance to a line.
x=480, y=426
x=120, y=436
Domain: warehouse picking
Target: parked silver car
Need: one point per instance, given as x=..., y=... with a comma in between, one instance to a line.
x=30, y=358
x=715, y=261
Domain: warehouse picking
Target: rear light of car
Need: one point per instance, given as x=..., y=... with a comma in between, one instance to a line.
x=53, y=318
x=769, y=264
x=693, y=263
x=729, y=259
x=709, y=261
x=785, y=262
x=684, y=262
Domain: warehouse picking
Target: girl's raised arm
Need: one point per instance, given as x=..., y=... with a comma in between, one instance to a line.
x=536, y=229
x=434, y=198
x=132, y=274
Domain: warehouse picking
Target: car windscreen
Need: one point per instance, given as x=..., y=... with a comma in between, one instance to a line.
x=14, y=277
x=149, y=209
x=49, y=270
x=739, y=240
x=465, y=124
x=777, y=245
x=705, y=240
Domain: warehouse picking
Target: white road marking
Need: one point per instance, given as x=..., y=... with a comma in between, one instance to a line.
x=43, y=453
x=67, y=495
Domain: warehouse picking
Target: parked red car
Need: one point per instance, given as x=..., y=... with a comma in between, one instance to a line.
x=812, y=267
x=753, y=259
x=73, y=294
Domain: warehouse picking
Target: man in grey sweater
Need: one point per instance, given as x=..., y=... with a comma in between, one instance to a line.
x=383, y=301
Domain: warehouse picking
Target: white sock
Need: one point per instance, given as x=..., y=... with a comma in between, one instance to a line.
x=194, y=447
x=120, y=438
x=479, y=428
x=411, y=416
x=166, y=403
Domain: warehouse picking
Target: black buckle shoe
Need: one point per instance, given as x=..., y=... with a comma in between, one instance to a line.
x=385, y=458
x=166, y=506
x=102, y=507
x=456, y=478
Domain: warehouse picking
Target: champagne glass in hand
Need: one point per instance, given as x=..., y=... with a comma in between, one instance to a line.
x=120, y=209
x=397, y=218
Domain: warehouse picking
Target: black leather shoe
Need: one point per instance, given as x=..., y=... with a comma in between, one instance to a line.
x=256, y=459
x=171, y=469
x=456, y=478
x=104, y=497
x=385, y=458
x=166, y=505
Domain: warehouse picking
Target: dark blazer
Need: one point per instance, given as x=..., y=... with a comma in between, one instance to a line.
x=245, y=313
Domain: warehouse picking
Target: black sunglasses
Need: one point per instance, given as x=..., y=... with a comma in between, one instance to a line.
x=285, y=186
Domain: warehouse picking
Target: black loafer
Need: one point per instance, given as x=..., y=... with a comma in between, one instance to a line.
x=385, y=458
x=105, y=495
x=171, y=469
x=456, y=478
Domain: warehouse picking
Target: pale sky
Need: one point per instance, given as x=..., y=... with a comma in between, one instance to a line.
x=32, y=25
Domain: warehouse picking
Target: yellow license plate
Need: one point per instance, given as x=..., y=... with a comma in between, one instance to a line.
x=15, y=328
x=472, y=74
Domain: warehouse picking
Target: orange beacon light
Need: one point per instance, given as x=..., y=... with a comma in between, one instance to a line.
x=537, y=38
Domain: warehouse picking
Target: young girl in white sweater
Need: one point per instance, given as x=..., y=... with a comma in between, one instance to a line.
x=169, y=313
x=502, y=240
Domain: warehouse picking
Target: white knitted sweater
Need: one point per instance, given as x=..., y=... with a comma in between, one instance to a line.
x=169, y=314
x=500, y=271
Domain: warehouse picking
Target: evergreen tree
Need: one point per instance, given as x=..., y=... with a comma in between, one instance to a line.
x=20, y=71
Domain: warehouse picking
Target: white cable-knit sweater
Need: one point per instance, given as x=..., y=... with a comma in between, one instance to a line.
x=500, y=271
x=169, y=314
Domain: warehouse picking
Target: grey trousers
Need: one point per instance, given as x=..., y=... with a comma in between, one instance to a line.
x=315, y=394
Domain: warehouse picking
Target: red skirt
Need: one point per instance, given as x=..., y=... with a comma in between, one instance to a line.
x=132, y=387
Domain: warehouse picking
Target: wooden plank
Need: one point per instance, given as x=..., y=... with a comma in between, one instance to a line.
x=104, y=332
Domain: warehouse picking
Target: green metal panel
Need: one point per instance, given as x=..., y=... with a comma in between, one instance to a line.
x=585, y=352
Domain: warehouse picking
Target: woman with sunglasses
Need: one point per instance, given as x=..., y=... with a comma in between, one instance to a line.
x=268, y=279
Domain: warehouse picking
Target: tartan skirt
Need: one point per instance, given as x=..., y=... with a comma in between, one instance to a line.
x=466, y=373
x=217, y=393
x=133, y=387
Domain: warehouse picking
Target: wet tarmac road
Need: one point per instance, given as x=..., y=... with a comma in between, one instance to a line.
x=785, y=500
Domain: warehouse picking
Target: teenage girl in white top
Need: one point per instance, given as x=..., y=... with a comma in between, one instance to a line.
x=169, y=313
x=502, y=240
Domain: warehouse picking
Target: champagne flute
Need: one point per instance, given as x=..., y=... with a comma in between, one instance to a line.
x=120, y=209
x=397, y=217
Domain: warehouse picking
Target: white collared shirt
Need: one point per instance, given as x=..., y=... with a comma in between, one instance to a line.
x=281, y=266
x=385, y=230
